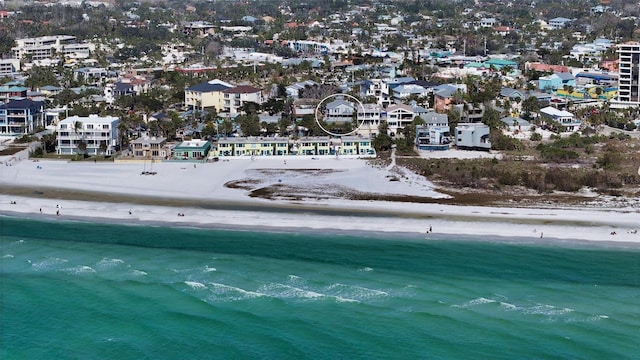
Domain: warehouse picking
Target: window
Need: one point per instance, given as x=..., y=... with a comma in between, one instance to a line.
x=89, y=126
x=105, y=126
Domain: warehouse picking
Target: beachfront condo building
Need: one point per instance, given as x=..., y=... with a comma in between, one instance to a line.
x=629, y=75
x=91, y=135
x=20, y=116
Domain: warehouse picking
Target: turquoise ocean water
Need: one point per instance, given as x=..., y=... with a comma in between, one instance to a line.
x=76, y=290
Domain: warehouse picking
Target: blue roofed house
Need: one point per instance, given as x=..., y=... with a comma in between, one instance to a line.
x=339, y=110
x=555, y=81
x=21, y=116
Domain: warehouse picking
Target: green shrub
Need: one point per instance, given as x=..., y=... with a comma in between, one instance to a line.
x=536, y=137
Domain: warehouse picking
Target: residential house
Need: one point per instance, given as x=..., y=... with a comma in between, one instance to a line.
x=302, y=107
x=472, y=136
x=514, y=124
x=12, y=92
x=444, y=96
x=434, y=119
x=98, y=133
x=191, y=150
x=559, y=23
x=197, y=28
x=293, y=90
x=52, y=115
x=556, y=81
x=432, y=138
x=536, y=66
x=235, y=98
x=50, y=90
x=567, y=120
x=511, y=94
x=399, y=116
x=487, y=22
x=404, y=91
x=21, y=116
x=91, y=75
x=369, y=116
x=339, y=111
x=206, y=95
x=150, y=147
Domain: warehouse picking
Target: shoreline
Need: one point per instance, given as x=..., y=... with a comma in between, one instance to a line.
x=447, y=225
x=380, y=235
x=109, y=192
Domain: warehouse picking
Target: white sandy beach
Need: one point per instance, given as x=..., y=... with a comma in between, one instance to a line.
x=321, y=176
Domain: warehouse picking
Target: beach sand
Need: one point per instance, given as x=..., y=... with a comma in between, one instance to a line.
x=302, y=193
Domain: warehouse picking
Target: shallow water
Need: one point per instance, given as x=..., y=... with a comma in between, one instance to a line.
x=82, y=290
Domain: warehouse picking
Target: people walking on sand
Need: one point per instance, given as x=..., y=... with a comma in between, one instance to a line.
x=541, y=233
x=129, y=211
x=58, y=212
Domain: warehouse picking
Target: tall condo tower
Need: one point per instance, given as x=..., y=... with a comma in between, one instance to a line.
x=629, y=78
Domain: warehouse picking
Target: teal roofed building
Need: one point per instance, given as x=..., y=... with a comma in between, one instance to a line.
x=192, y=150
x=500, y=63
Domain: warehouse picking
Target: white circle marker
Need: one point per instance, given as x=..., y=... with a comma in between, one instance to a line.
x=360, y=123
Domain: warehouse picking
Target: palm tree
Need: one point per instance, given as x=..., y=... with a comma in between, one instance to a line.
x=77, y=126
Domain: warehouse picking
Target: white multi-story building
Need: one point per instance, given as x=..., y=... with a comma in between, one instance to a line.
x=46, y=47
x=9, y=67
x=99, y=133
x=629, y=75
x=235, y=98
x=369, y=115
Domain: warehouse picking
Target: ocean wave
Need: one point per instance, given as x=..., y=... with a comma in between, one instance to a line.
x=365, y=269
x=138, y=272
x=209, y=269
x=195, y=285
x=48, y=264
x=7, y=256
x=231, y=293
x=353, y=292
x=109, y=262
x=282, y=291
x=475, y=302
x=80, y=269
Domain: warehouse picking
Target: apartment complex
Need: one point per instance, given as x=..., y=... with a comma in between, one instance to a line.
x=99, y=133
x=47, y=47
x=629, y=76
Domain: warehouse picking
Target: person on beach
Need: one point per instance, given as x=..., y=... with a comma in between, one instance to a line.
x=541, y=233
